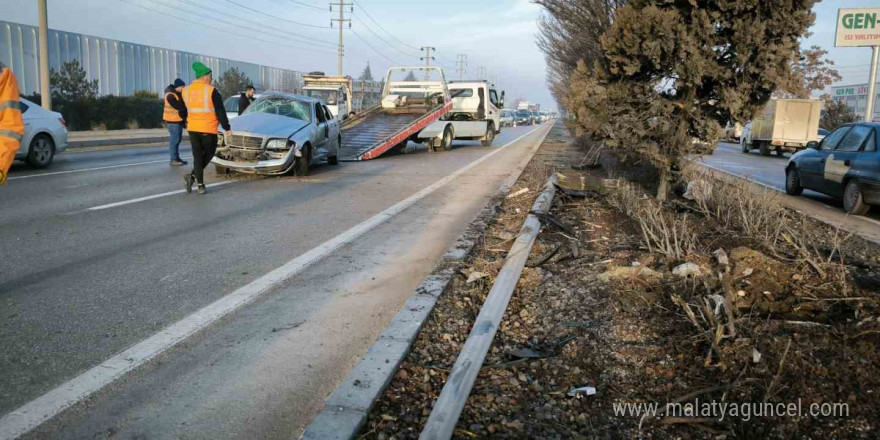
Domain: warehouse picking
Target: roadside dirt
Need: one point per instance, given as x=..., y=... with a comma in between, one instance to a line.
x=598, y=310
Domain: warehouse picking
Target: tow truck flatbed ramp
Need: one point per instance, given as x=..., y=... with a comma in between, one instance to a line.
x=375, y=131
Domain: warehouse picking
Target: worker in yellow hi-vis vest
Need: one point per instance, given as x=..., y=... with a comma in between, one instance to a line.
x=11, y=125
x=174, y=117
x=204, y=113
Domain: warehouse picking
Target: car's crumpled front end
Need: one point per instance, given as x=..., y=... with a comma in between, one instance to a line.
x=260, y=144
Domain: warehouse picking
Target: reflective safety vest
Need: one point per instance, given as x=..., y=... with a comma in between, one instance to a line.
x=200, y=108
x=170, y=114
x=11, y=125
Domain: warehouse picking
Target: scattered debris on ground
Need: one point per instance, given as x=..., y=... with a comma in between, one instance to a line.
x=604, y=317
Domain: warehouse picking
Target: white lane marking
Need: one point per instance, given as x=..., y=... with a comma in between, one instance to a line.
x=55, y=173
x=43, y=408
x=154, y=196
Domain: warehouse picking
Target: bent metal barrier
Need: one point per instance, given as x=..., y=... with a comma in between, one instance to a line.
x=441, y=423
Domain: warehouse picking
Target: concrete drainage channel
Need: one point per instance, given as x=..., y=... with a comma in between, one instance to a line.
x=346, y=409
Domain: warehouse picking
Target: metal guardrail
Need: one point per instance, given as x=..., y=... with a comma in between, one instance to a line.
x=441, y=423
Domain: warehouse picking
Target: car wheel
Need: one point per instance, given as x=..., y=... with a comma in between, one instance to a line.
x=765, y=149
x=446, y=142
x=793, y=182
x=852, y=199
x=41, y=151
x=301, y=164
x=490, y=135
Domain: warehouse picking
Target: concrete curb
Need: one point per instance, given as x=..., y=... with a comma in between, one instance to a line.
x=346, y=409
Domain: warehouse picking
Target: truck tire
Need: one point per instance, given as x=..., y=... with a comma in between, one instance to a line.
x=765, y=148
x=853, y=202
x=490, y=135
x=301, y=164
x=446, y=141
x=793, y=182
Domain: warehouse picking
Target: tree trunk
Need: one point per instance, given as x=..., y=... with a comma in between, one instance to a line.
x=664, y=188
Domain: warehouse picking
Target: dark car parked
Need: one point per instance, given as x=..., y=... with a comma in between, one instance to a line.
x=846, y=164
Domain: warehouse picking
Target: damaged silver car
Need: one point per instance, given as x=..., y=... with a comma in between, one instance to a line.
x=278, y=134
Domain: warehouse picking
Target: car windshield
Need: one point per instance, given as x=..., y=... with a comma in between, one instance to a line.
x=523, y=113
x=278, y=105
x=506, y=113
x=462, y=93
x=328, y=97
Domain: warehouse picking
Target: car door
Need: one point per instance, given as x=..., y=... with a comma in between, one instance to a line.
x=332, y=145
x=866, y=168
x=322, y=133
x=811, y=164
x=840, y=160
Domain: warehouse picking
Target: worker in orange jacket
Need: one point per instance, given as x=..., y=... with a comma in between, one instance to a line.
x=204, y=113
x=11, y=124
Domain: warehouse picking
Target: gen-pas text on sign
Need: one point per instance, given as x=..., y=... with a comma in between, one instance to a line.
x=858, y=27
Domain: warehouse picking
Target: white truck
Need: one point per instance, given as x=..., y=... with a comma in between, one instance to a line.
x=334, y=91
x=475, y=115
x=784, y=125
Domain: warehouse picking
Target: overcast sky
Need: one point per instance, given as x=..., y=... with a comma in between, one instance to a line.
x=496, y=34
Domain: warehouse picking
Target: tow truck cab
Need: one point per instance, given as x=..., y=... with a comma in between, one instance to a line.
x=476, y=110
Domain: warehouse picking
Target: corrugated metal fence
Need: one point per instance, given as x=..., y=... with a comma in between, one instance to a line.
x=122, y=68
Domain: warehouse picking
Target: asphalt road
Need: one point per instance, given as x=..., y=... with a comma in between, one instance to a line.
x=102, y=250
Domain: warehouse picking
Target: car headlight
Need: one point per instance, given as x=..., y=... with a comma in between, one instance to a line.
x=278, y=144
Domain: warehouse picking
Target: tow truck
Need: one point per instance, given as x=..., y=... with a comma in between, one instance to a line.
x=407, y=108
x=476, y=112
x=334, y=91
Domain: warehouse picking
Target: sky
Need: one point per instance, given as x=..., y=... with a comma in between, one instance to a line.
x=498, y=35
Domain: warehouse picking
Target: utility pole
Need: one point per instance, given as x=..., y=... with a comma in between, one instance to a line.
x=427, y=59
x=462, y=66
x=45, y=91
x=341, y=21
x=872, y=80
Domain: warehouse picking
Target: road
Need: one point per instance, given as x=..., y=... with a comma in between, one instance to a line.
x=103, y=250
x=770, y=171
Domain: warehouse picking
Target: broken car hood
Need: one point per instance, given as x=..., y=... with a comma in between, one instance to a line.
x=267, y=125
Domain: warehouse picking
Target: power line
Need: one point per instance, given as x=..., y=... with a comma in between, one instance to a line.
x=380, y=26
x=218, y=29
x=272, y=16
x=281, y=34
x=384, y=40
x=306, y=5
x=374, y=49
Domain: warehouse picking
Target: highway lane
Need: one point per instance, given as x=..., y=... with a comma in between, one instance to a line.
x=78, y=286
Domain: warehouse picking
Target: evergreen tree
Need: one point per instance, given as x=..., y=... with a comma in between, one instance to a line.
x=71, y=83
x=231, y=83
x=367, y=74
x=674, y=72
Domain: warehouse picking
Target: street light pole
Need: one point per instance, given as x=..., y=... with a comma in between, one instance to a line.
x=872, y=82
x=45, y=91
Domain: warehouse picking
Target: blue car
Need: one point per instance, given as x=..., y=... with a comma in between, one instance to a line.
x=845, y=164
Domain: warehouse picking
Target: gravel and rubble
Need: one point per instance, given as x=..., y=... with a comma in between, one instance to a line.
x=598, y=323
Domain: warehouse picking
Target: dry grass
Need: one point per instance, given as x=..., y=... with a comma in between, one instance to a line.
x=663, y=231
x=100, y=126
x=132, y=124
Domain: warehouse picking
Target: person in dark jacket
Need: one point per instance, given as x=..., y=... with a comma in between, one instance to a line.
x=175, y=119
x=245, y=99
x=204, y=107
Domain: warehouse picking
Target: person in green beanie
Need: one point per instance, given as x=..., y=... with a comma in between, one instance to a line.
x=205, y=112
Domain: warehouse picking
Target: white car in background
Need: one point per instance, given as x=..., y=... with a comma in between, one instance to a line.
x=45, y=135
